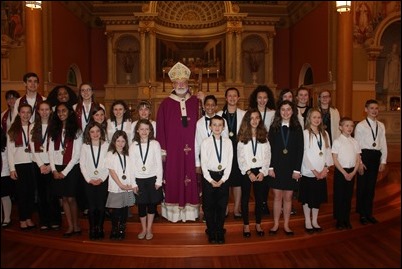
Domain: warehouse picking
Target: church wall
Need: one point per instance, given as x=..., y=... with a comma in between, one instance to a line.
x=309, y=44
x=71, y=45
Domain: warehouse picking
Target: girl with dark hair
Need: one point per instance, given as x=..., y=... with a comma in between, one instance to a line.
x=64, y=154
x=62, y=94
x=86, y=103
x=146, y=166
x=121, y=184
x=254, y=157
x=21, y=166
x=233, y=116
x=263, y=99
x=92, y=165
x=48, y=204
x=287, y=145
x=120, y=119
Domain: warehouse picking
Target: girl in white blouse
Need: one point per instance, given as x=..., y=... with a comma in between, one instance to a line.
x=120, y=119
x=21, y=166
x=121, y=184
x=92, y=164
x=316, y=160
x=146, y=166
x=64, y=154
x=48, y=204
x=254, y=157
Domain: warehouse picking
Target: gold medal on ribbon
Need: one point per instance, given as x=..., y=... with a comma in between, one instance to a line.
x=62, y=152
x=254, y=160
x=219, y=167
x=321, y=153
x=124, y=177
x=96, y=172
x=374, y=144
x=27, y=150
x=285, y=151
x=231, y=134
x=144, y=168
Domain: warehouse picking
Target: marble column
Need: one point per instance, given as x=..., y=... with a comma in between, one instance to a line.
x=152, y=56
x=238, y=57
x=111, y=77
x=229, y=56
x=142, y=56
x=344, y=83
x=34, y=44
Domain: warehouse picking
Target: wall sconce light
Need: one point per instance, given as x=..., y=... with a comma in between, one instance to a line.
x=33, y=4
x=343, y=6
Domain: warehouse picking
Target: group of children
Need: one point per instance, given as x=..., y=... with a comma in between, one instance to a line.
x=121, y=161
x=59, y=150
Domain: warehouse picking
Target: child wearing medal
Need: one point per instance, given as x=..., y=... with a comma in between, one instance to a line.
x=121, y=184
x=286, y=141
x=20, y=162
x=64, y=154
x=316, y=160
x=254, y=157
x=120, y=119
x=145, y=158
x=233, y=116
x=346, y=155
x=216, y=165
x=48, y=204
x=370, y=133
x=95, y=173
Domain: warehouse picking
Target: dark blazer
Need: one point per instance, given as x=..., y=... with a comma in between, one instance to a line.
x=285, y=164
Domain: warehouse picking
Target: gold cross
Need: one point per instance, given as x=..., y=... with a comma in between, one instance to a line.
x=187, y=149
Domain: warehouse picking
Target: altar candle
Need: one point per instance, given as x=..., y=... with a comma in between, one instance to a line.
x=217, y=80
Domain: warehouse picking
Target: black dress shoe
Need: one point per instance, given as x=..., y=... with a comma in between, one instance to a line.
x=212, y=239
x=6, y=224
x=220, y=238
x=238, y=216
x=260, y=233
x=68, y=234
x=289, y=233
x=317, y=229
x=340, y=225
x=246, y=234
x=348, y=225
x=363, y=220
x=372, y=220
x=77, y=232
x=309, y=230
x=273, y=232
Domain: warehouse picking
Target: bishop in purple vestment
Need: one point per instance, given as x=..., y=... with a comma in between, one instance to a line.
x=175, y=124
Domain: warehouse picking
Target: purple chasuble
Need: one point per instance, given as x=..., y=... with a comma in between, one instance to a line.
x=178, y=142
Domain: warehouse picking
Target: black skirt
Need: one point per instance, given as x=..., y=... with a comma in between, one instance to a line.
x=68, y=186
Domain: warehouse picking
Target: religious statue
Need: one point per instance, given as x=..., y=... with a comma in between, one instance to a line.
x=392, y=70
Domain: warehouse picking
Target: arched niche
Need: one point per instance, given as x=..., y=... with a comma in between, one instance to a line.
x=127, y=59
x=387, y=33
x=253, y=51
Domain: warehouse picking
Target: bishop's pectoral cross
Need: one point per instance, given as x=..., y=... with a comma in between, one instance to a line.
x=186, y=149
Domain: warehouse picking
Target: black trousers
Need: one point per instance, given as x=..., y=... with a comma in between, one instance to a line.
x=214, y=202
x=48, y=204
x=259, y=189
x=25, y=189
x=365, y=188
x=343, y=192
